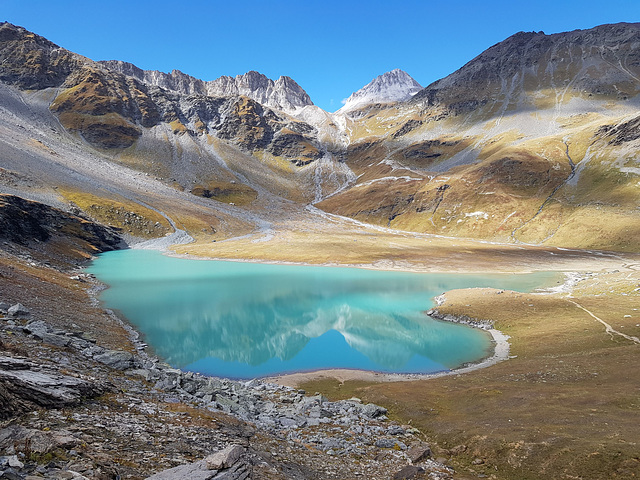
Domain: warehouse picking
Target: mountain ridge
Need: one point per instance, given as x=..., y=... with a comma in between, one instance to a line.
x=543, y=119
x=518, y=60
x=282, y=94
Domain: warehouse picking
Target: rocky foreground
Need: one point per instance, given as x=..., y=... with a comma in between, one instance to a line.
x=72, y=408
x=81, y=398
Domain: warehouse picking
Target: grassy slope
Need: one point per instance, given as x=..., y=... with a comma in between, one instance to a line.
x=516, y=190
x=567, y=405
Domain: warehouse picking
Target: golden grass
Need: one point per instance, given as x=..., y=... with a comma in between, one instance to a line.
x=345, y=245
x=499, y=198
x=108, y=131
x=565, y=405
x=178, y=127
x=228, y=192
x=117, y=211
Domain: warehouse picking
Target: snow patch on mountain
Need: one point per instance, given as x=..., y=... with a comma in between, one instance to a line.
x=394, y=86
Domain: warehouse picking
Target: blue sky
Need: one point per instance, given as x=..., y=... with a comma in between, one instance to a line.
x=330, y=47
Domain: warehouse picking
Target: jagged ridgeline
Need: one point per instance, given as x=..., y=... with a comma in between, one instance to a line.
x=533, y=141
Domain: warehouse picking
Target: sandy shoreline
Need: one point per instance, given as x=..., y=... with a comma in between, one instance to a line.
x=501, y=352
x=410, y=267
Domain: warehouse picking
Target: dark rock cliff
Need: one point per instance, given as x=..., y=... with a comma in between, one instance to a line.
x=33, y=224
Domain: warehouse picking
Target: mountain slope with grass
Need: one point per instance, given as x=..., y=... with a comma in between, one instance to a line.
x=534, y=141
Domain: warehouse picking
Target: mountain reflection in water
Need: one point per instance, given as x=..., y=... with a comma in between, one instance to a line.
x=244, y=320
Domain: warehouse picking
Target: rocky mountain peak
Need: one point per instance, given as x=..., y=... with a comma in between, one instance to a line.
x=32, y=62
x=176, y=80
x=394, y=86
x=283, y=94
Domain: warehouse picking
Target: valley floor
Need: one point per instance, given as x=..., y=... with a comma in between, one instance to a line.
x=565, y=403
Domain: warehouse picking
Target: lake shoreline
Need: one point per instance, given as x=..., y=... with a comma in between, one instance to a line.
x=500, y=344
x=499, y=350
x=384, y=266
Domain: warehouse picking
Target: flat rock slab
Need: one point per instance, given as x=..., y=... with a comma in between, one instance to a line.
x=209, y=467
x=192, y=471
x=225, y=458
x=41, y=386
x=117, y=359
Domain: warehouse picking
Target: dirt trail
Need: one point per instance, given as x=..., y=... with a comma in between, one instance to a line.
x=608, y=328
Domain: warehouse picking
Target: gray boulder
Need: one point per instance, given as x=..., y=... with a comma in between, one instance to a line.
x=419, y=453
x=18, y=311
x=408, y=472
x=193, y=471
x=373, y=411
x=390, y=443
x=209, y=468
x=225, y=458
x=37, y=328
x=385, y=443
x=395, y=430
x=57, y=340
x=117, y=359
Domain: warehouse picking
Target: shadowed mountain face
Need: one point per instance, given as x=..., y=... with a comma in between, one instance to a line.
x=601, y=62
x=533, y=141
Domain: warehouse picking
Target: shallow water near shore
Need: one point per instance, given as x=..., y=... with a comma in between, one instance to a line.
x=247, y=320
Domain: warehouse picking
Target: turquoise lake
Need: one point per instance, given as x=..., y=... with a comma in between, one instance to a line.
x=247, y=320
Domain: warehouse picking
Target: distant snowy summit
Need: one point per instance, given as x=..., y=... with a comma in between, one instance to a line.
x=283, y=94
x=394, y=86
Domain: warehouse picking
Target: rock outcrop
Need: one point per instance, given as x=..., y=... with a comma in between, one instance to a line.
x=35, y=224
x=30, y=61
x=26, y=383
x=282, y=94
